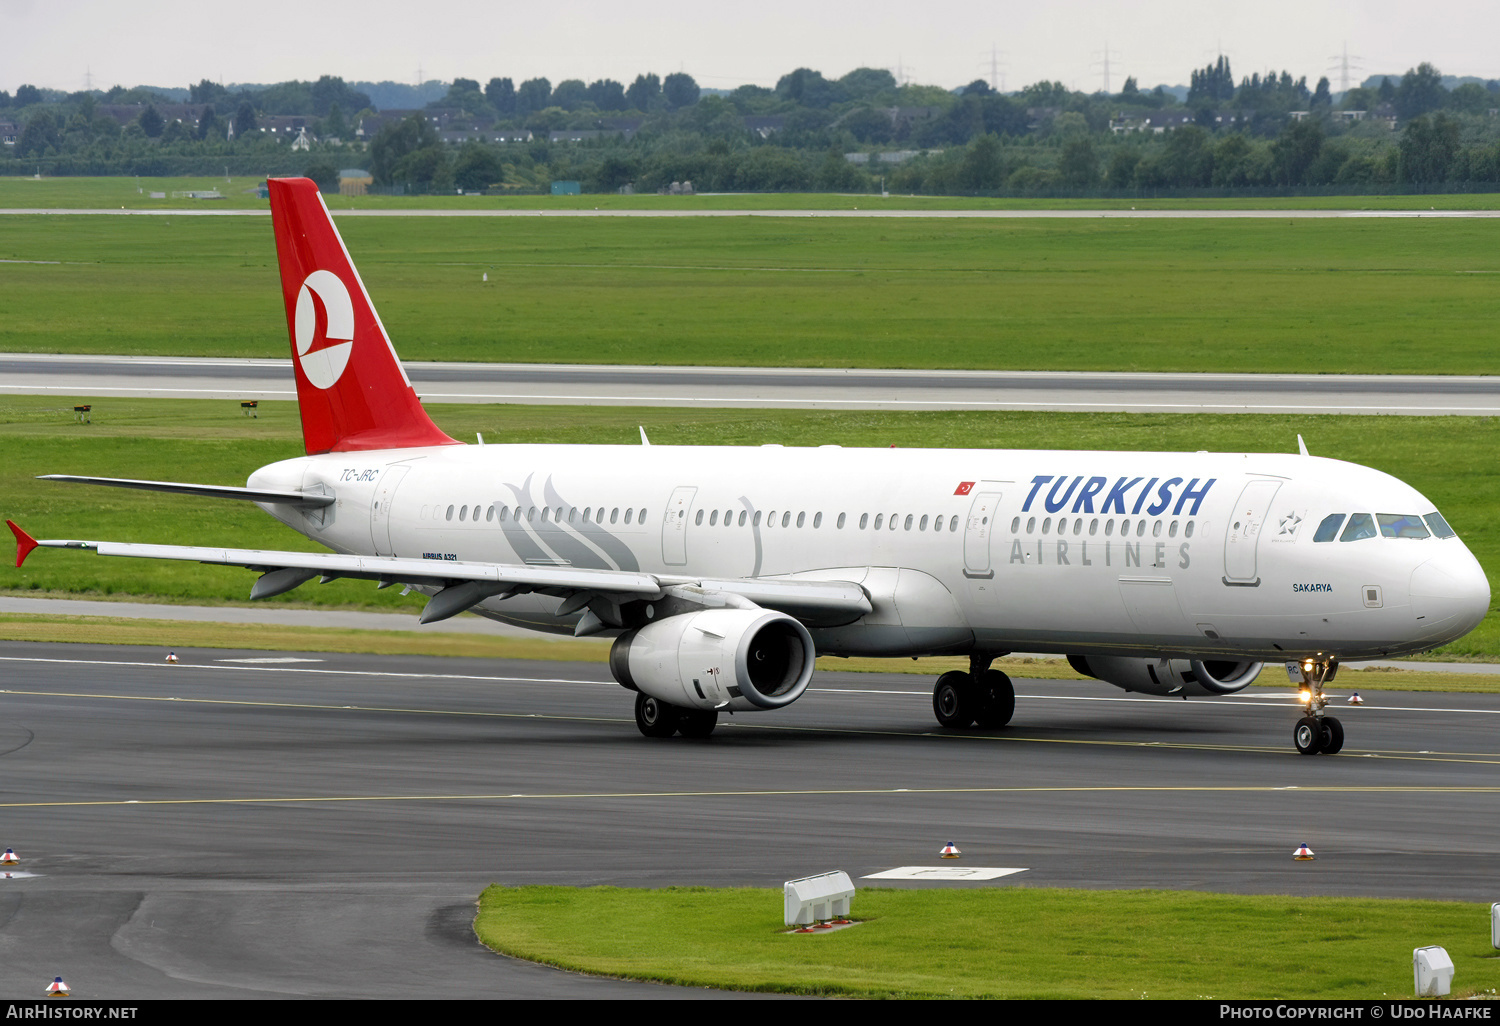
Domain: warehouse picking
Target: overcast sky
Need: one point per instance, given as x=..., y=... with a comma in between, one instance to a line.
x=56, y=43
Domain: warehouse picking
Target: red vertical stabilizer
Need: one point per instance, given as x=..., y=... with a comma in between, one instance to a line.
x=350, y=386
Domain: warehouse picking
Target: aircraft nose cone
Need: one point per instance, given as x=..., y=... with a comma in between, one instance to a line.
x=1449, y=596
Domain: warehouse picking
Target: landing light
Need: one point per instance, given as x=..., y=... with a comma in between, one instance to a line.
x=1304, y=696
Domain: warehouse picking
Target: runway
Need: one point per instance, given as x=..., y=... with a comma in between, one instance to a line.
x=787, y=388
x=233, y=827
x=872, y=209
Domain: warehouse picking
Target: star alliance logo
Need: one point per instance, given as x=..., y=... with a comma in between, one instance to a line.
x=1289, y=525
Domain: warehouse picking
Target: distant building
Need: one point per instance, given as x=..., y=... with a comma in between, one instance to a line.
x=764, y=125
x=354, y=181
x=10, y=132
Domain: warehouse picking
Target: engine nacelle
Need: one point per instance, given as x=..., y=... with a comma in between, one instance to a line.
x=739, y=659
x=1169, y=676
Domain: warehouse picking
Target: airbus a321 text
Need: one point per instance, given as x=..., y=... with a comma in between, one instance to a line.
x=721, y=572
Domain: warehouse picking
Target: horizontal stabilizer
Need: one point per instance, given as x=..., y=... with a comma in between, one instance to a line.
x=298, y=499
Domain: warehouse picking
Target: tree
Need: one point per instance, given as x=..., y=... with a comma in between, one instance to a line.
x=1428, y=148
x=41, y=131
x=607, y=94
x=26, y=95
x=808, y=88
x=868, y=125
x=570, y=94
x=330, y=90
x=533, y=95
x=1078, y=166
x=978, y=87
x=501, y=93
x=395, y=142
x=983, y=167
x=151, y=122
x=643, y=92
x=1295, y=149
x=1420, y=92
x=869, y=84
x=325, y=173
x=679, y=90
x=477, y=167
x=206, y=120
x=465, y=94
x=1212, y=85
x=244, y=119
x=1322, y=99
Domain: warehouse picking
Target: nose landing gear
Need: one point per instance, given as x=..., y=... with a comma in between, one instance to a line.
x=1316, y=732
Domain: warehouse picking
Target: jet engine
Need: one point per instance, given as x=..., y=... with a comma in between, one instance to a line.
x=737, y=659
x=1169, y=676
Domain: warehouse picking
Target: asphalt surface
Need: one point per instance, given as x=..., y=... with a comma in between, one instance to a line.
x=802, y=388
x=872, y=210
x=249, y=828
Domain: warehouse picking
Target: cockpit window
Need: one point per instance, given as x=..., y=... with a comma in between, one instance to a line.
x=1402, y=525
x=1439, y=525
x=1328, y=530
x=1361, y=525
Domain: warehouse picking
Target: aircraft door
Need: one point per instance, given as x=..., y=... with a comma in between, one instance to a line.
x=979, y=529
x=674, y=525
x=1242, y=533
x=380, y=508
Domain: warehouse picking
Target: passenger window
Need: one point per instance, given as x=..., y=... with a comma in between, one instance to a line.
x=1328, y=530
x=879, y=519
x=817, y=520
x=697, y=520
x=1361, y=525
x=1015, y=526
x=1047, y=526
x=839, y=525
x=786, y=518
x=640, y=518
x=1439, y=525
x=504, y=514
x=801, y=517
x=450, y=513
x=909, y=519
x=1401, y=525
x=1031, y=525
x=893, y=521
x=713, y=518
x=614, y=514
x=1140, y=529
x=864, y=520
x=489, y=514
x=1124, y=528
x=1109, y=528
x=1156, y=529
x=1094, y=526
x=1187, y=532
x=923, y=525
x=756, y=521
x=953, y=524
x=628, y=513
x=1172, y=530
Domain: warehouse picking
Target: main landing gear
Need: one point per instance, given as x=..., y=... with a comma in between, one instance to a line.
x=1316, y=732
x=982, y=696
x=656, y=718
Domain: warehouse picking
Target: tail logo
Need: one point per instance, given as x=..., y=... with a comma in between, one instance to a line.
x=324, y=366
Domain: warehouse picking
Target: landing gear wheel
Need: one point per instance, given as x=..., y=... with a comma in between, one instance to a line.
x=997, y=700
x=654, y=717
x=697, y=722
x=1308, y=736
x=953, y=699
x=1333, y=736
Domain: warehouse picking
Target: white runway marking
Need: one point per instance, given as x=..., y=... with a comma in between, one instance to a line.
x=944, y=873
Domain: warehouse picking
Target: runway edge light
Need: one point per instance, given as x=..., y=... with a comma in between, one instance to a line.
x=57, y=988
x=950, y=851
x=1354, y=699
x=1303, y=854
x=171, y=657
x=9, y=858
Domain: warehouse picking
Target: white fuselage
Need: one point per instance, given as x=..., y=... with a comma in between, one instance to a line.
x=1111, y=553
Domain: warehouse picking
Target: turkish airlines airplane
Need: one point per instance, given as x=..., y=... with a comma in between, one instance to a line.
x=721, y=572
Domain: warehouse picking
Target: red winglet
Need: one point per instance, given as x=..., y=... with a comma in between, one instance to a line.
x=24, y=542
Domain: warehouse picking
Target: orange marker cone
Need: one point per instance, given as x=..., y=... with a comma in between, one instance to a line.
x=1303, y=854
x=9, y=858
x=950, y=851
x=57, y=988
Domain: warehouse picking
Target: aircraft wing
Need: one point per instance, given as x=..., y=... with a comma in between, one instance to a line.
x=305, y=500
x=465, y=584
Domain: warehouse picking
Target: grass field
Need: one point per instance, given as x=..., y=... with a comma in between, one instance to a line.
x=239, y=194
x=1005, y=942
x=1450, y=459
x=1362, y=296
